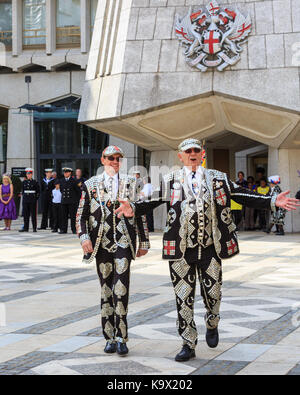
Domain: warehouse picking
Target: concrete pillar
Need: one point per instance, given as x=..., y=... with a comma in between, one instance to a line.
x=50, y=26
x=17, y=27
x=85, y=25
x=273, y=161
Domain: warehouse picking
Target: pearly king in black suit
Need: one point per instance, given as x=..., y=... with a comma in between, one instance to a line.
x=199, y=233
x=114, y=243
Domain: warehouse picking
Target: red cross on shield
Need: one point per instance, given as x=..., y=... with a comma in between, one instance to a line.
x=212, y=42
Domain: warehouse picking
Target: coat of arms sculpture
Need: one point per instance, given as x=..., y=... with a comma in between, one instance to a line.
x=213, y=36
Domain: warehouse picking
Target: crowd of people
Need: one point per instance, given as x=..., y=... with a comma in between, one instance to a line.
x=59, y=200
x=248, y=218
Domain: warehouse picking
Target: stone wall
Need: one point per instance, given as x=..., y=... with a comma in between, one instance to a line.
x=148, y=67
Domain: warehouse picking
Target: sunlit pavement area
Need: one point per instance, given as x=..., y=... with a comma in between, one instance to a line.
x=50, y=315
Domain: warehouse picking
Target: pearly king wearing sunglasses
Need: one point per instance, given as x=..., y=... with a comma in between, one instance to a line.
x=112, y=241
x=199, y=233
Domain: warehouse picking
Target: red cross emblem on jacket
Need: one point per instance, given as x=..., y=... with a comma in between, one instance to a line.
x=169, y=247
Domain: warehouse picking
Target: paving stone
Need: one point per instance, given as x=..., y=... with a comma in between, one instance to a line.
x=19, y=295
x=274, y=331
x=220, y=368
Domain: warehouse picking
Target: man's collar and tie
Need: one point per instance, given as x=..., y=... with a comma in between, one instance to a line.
x=194, y=178
x=112, y=184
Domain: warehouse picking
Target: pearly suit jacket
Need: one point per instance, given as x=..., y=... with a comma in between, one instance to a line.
x=214, y=210
x=92, y=213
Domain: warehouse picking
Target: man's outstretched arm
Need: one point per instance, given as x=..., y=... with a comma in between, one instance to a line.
x=256, y=200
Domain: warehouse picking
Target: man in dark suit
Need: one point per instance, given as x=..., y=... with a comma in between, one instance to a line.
x=112, y=241
x=198, y=234
x=31, y=194
x=47, y=188
x=69, y=201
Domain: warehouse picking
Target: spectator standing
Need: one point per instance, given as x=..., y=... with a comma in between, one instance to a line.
x=277, y=217
x=139, y=181
x=146, y=194
x=79, y=180
x=31, y=194
x=8, y=210
x=249, y=211
x=241, y=180
x=263, y=189
x=47, y=186
x=56, y=207
x=69, y=200
x=237, y=212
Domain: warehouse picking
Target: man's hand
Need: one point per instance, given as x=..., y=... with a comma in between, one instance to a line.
x=141, y=252
x=125, y=209
x=287, y=203
x=87, y=247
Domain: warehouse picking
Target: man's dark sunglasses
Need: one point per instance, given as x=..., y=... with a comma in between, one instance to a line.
x=112, y=158
x=195, y=150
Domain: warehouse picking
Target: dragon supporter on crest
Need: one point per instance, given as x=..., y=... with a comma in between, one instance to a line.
x=199, y=233
x=213, y=36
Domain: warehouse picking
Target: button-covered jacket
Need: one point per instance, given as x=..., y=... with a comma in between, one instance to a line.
x=94, y=218
x=30, y=191
x=69, y=191
x=215, y=224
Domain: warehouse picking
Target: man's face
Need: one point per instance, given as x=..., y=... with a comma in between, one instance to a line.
x=29, y=176
x=49, y=174
x=191, y=157
x=67, y=174
x=78, y=173
x=54, y=175
x=112, y=163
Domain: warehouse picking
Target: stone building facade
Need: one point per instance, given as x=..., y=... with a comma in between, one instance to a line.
x=140, y=88
x=48, y=41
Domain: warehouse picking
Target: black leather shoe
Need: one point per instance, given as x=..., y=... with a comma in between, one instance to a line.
x=185, y=354
x=110, y=348
x=42, y=228
x=62, y=233
x=122, y=349
x=22, y=231
x=34, y=230
x=212, y=337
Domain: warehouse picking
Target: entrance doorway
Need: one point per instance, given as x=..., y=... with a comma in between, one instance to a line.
x=62, y=142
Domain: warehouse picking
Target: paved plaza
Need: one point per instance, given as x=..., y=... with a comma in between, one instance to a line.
x=52, y=310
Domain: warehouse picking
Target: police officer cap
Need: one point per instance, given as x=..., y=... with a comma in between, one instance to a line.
x=113, y=149
x=48, y=170
x=189, y=143
x=28, y=170
x=67, y=169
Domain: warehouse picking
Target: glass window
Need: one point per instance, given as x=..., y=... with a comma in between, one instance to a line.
x=68, y=23
x=6, y=23
x=47, y=140
x=34, y=23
